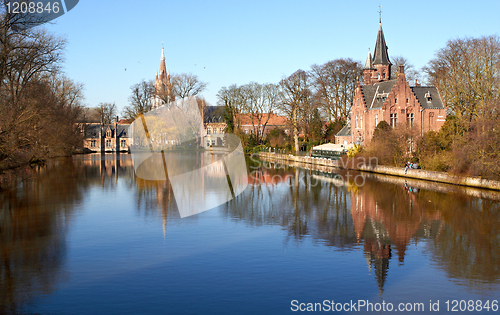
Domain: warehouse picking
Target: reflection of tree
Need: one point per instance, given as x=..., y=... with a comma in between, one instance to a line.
x=34, y=218
x=288, y=197
x=468, y=243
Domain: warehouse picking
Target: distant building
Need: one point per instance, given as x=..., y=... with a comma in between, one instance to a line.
x=344, y=135
x=106, y=138
x=163, y=86
x=268, y=122
x=215, y=128
x=382, y=98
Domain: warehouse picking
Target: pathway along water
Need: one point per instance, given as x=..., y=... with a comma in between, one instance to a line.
x=370, y=165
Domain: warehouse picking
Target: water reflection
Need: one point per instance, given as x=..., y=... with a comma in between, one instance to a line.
x=384, y=216
x=34, y=216
x=380, y=219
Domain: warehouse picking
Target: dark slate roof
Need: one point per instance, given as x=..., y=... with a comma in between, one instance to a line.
x=345, y=131
x=92, y=130
x=428, y=96
x=213, y=114
x=380, y=55
x=371, y=91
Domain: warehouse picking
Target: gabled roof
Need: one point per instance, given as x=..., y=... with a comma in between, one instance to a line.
x=345, y=131
x=92, y=130
x=428, y=96
x=374, y=94
x=380, y=55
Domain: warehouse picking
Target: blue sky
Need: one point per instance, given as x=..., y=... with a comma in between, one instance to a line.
x=236, y=42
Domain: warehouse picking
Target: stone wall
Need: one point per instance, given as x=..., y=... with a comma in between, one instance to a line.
x=388, y=170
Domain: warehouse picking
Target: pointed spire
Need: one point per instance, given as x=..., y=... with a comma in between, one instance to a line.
x=163, y=67
x=380, y=55
x=368, y=62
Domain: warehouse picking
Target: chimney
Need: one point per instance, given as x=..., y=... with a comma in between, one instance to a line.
x=416, y=83
x=401, y=69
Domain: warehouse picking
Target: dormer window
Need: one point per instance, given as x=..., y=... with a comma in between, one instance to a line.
x=108, y=133
x=378, y=76
x=428, y=96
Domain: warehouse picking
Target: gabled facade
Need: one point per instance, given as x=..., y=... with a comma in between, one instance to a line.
x=382, y=98
x=106, y=138
x=215, y=129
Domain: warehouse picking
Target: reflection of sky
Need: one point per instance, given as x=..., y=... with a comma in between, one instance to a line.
x=120, y=260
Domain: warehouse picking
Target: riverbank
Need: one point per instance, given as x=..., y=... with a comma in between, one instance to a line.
x=367, y=166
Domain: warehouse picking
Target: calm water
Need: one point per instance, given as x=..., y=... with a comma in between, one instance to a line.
x=84, y=235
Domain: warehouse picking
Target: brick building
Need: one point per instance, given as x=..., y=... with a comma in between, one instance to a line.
x=392, y=100
x=268, y=121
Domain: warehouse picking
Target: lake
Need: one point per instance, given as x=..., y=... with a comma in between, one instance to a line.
x=85, y=235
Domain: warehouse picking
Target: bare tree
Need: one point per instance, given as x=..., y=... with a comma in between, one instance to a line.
x=467, y=72
x=39, y=105
x=410, y=72
x=233, y=99
x=187, y=84
x=295, y=92
x=140, y=101
x=335, y=84
x=107, y=112
x=260, y=100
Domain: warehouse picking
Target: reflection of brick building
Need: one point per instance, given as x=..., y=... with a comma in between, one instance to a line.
x=386, y=219
x=396, y=226
x=264, y=176
x=382, y=98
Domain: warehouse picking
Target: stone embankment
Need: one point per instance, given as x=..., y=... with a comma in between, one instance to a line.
x=386, y=170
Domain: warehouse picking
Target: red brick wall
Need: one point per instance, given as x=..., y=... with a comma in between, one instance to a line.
x=400, y=101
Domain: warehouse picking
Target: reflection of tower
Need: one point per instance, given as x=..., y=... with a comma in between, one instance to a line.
x=377, y=248
x=163, y=86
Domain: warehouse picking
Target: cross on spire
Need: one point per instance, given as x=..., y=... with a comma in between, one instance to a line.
x=380, y=14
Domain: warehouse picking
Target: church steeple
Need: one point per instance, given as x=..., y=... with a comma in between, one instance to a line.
x=378, y=68
x=163, y=67
x=163, y=86
x=380, y=55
